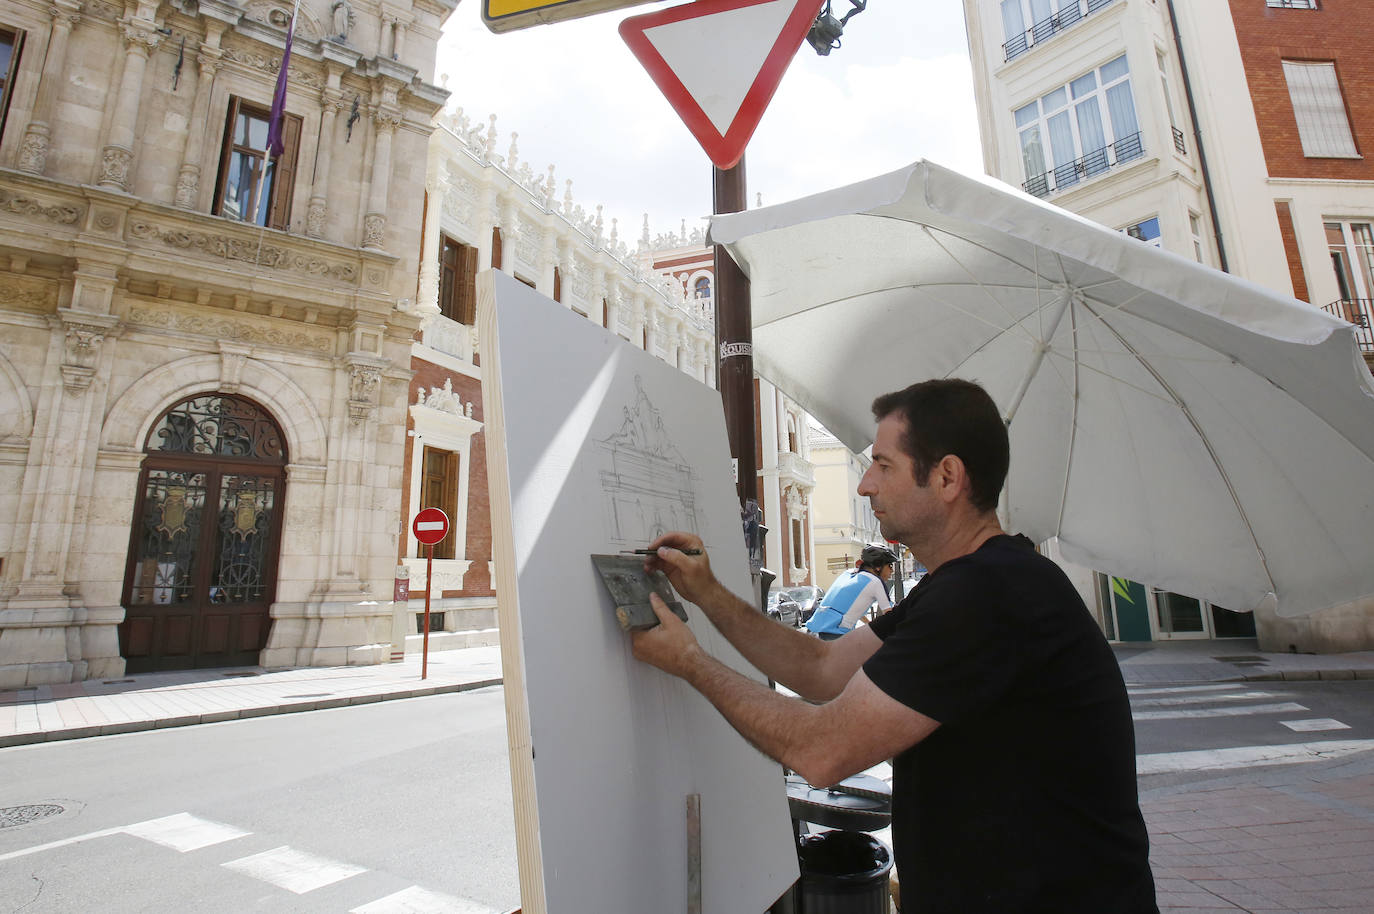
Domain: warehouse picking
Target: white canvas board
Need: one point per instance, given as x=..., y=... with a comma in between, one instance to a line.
x=593, y=447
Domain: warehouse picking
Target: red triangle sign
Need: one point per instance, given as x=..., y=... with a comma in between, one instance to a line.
x=718, y=62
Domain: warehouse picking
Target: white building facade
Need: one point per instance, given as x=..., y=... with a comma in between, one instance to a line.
x=1228, y=132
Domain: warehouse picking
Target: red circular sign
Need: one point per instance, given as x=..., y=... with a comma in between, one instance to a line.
x=431, y=525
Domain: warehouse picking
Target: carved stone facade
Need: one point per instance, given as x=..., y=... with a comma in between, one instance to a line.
x=128, y=289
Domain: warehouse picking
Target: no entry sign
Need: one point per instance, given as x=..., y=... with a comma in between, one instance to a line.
x=430, y=526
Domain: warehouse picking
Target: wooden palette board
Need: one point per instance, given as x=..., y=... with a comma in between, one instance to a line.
x=593, y=446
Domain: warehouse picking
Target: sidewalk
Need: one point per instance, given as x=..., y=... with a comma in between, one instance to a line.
x=147, y=701
x=1233, y=660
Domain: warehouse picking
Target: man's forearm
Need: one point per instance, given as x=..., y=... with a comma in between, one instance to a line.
x=779, y=652
x=778, y=726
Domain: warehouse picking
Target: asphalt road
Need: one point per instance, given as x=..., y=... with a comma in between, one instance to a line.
x=1187, y=734
x=398, y=806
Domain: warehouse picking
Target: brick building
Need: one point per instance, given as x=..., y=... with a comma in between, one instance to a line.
x=1233, y=133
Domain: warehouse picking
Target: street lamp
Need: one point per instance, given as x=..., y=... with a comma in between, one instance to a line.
x=825, y=32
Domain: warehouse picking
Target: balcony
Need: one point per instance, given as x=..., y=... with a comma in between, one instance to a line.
x=1085, y=167
x=1068, y=15
x=796, y=470
x=1357, y=311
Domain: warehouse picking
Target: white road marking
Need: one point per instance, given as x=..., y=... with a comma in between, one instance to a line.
x=1233, y=711
x=1175, y=700
x=53, y=845
x=1317, y=723
x=293, y=870
x=1245, y=756
x=416, y=900
x=1168, y=690
x=184, y=832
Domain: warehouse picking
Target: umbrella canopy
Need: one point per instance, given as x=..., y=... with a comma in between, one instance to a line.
x=1169, y=423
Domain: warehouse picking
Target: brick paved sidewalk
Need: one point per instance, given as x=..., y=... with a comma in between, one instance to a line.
x=152, y=700
x=1295, y=844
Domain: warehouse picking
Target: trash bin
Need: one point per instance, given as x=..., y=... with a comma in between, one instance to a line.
x=844, y=872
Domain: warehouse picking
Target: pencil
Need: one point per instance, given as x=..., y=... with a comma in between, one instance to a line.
x=655, y=551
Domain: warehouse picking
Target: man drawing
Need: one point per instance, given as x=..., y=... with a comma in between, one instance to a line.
x=990, y=686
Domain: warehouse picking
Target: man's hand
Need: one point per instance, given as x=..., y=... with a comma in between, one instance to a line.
x=670, y=645
x=690, y=575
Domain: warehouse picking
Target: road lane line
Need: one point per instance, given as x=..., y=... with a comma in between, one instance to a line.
x=53, y=845
x=1287, y=707
x=185, y=832
x=1168, y=690
x=1246, y=756
x=416, y=900
x=1318, y=723
x=1175, y=700
x=293, y=870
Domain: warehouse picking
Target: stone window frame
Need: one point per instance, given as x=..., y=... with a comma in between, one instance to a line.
x=8, y=74
x=446, y=431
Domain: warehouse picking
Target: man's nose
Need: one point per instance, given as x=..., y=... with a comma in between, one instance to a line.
x=865, y=488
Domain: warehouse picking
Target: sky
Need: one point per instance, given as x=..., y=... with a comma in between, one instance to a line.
x=898, y=89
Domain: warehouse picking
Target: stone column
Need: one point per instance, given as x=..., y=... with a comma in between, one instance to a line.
x=317, y=216
x=188, y=180
x=398, y=39
x=433, y=247
x=648, y=318
x=116, y=158
x=374, y=222
x=33, y=152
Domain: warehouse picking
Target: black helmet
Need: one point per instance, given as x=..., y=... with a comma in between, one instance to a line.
x=875, y=556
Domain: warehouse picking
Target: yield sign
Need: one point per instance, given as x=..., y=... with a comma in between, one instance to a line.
x=718, y=62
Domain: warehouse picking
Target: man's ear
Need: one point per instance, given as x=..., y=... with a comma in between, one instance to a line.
x=951, y=476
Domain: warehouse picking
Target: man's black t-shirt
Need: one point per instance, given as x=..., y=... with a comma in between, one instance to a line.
x=1024, y=799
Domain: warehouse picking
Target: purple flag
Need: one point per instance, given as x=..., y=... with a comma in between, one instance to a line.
x=275, y=147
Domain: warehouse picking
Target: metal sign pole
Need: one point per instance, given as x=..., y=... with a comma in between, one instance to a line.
x=429, y=578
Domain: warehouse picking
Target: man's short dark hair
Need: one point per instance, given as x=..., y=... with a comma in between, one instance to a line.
x=952, y=416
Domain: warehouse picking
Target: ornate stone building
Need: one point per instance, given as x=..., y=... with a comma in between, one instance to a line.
x=205, y=353
x=486, y=210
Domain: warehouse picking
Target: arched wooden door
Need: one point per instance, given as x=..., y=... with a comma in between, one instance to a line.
x=206, y=535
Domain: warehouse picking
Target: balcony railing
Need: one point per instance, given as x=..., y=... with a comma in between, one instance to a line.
x=1090, y=165
x=1069, y=14
x=796, y=469
x=1357, y=311
x=1178, y=141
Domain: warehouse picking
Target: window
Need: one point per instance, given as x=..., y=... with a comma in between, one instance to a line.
x=1319, y=109
x=1027, y=23
x=1195, y=226
x=1088, y=126
x=439, y=489
x=251, y=188
x=457, y=281
x=702, y=287
x=10, y=44
x=1352, y=257
x=1292, y=4
x=1146, y=231
x=798, y=559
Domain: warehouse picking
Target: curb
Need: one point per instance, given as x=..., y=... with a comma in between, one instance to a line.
x=214, y=717
x=1308, y=675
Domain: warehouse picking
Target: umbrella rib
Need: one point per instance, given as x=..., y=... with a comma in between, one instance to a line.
x=1206, y=443
x=1073, y=424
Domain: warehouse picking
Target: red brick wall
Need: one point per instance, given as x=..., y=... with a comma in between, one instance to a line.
x=477, y=582
x=1340, y=31
x=1290, y=249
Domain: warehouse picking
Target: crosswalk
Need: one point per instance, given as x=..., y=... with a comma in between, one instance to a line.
x=291, y=869
x=1228, y=700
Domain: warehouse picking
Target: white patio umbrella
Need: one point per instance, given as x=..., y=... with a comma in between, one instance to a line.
x=1169, y=423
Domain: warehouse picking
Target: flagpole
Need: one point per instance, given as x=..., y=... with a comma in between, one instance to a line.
x=274, y=121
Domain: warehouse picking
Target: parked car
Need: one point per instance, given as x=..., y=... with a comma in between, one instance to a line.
x=783, y=608
x=807, y=597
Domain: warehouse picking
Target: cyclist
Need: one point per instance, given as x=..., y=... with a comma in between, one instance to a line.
x=853, y=593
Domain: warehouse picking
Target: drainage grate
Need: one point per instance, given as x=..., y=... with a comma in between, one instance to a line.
x=10, y=816
x=310, y=695
x=116, y=681
x=1243, y=658
x=245, y=673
